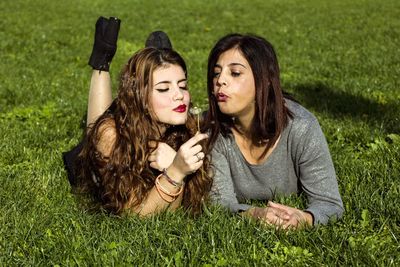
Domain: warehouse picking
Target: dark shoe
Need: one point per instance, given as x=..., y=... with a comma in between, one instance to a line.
x=105, y=43
x=158, y=39
x=70, y=159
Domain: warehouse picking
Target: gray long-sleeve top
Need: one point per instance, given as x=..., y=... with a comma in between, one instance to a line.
x=300, y=162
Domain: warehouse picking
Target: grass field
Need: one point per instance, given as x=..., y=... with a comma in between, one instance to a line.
x=340, y=59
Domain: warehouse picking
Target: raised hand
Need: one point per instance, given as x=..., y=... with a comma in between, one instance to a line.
x=188, y=158
x=162, y=157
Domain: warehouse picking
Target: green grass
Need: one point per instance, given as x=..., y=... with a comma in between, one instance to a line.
x=339, y=58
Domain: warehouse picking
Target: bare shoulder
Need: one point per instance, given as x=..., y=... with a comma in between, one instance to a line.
x=107, y=135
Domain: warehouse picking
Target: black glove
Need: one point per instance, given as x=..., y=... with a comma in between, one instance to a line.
x=105, y=43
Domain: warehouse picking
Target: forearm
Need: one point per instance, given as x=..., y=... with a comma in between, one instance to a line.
x=100, y=95
x=154, y=204
x=164, y=195
x=317, y=176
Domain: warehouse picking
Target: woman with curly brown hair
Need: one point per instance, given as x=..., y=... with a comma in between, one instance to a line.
x=142, y=154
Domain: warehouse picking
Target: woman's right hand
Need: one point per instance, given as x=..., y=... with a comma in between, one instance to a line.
x=188, y=159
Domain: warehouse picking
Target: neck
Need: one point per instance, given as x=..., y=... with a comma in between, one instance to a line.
x=243, y=124
x=162, y=128
x=243, y=120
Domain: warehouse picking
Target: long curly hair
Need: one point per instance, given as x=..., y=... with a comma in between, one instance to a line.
x=123, y=180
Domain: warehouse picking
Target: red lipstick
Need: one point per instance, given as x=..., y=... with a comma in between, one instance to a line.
x=180, y=108
x=221, y=97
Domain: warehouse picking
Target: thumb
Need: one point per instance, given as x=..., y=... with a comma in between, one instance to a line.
x=154, y=165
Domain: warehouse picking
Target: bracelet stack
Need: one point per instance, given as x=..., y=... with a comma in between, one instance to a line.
x=171, y=181
x=164, y=193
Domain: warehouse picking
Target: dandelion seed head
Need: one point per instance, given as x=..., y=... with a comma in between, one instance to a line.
x=195, y=110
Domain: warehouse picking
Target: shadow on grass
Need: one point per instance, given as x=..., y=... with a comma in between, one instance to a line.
x=341, y=104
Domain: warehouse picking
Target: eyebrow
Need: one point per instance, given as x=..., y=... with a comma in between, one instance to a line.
x=182, y=80
x=231, y=64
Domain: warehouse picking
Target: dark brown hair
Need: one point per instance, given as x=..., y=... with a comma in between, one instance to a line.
x=271, y=114
x=126, y=174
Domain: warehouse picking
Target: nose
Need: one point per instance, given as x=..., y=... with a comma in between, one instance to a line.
x=221, y=80
x=178, y=93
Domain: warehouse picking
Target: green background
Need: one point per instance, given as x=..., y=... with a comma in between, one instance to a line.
x=340, y=59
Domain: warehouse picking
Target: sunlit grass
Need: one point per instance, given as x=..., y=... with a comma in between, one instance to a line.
x=338, y=58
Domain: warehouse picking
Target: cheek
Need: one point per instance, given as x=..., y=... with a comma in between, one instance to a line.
x=248, y=87
x=186, y=97
x=159, y=103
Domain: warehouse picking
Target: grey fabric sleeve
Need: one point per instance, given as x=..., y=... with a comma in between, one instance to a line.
x=317, y=174
x=223, y=192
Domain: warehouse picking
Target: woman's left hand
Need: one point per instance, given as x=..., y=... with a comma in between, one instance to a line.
x=293, y=218
x=162, y=157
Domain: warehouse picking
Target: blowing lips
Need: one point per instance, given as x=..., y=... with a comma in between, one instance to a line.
x=180, y=108
x=221, y=97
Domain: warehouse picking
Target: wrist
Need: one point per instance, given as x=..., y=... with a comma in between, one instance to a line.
x=174, y=174
x=253, y=212
x=171, y=180
x=308, y=217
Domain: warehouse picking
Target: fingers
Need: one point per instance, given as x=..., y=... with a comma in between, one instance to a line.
x=197, y=165
x=195, y=139
x=189, y=157
x=276, y=216
x=154, y=165
x=200, y=156
x=191, y=151
x=162, y=155
x=196, y=157
x=293, y=223
x=198, y=160
x=283, y=208
x=196, y=149
x=152, y=157
x=283, y=211
x=277, y=206
x=281, y=216
x=275, y=220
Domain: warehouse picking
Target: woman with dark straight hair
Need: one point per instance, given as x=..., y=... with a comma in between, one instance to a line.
x=264, y=143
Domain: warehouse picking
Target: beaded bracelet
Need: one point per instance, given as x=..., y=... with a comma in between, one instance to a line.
x=170, y=180
x=164, y=190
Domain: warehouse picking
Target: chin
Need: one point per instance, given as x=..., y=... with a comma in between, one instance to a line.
x=176, y=121
x=226, y=111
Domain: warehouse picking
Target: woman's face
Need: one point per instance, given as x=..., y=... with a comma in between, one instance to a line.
x=169, y=97
x=234, y=86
